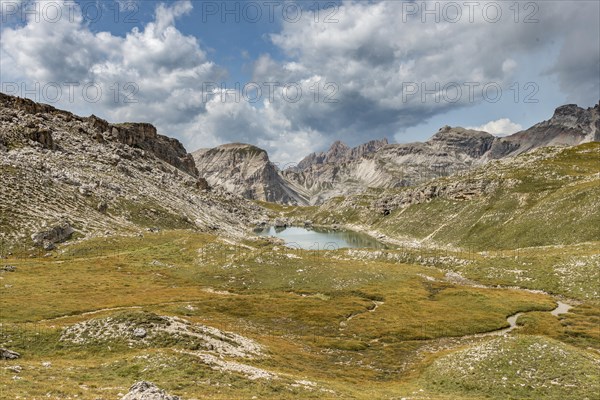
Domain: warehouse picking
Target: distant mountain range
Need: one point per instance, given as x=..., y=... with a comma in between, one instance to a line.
x=65, y=175
x=341, y=170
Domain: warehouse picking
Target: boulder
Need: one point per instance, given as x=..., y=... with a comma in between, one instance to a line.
x=98, y=137
x=57, y=234
x=281, y=223
x=42, y=136
x=6, y=354
x=147, y=391
x=102, y=206
x=202, y=184
x=139, y=333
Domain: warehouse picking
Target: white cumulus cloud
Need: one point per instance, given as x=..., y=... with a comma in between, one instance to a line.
x=499, y=127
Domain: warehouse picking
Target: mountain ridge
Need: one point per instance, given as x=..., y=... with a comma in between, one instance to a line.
x=81, y=175
x=342, y=170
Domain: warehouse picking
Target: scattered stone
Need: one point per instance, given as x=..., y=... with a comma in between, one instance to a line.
x=15, y=368
x=142, y=329
x=6, y=354
x=140, y=333
x=10, y=268
x=86, y=190
x=147, y=391
x=102, y=206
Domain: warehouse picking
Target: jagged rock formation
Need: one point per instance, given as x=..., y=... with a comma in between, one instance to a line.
x=340, y=152
x=100, y=177
x=246, y=170
x=342, y=171
x=147, y=391
x=570, y=125
x=144, y=136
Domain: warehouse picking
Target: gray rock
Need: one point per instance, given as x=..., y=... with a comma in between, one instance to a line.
x=86, y=190
x=281, y=223
x=57, y=234
x=147, y=391
x=42, y=136
x=10, y=268
x=15, y=368
x=140, y=333
x=245, y=170
x=102, y=206
x=6, y=354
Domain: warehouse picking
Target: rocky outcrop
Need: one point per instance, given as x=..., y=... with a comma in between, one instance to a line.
x=48, y=238
x=136, y=135
x=245, y=170
x=147, y=391
x=144, y=136
x=461, y=142
x=453, y=190
x=101, y=177
x=42, y=136
x=569, y=126
x=340, y=152
x=6, y=354
x=29, y=106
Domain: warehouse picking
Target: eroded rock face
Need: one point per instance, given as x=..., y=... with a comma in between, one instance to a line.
x=101, y=179
x=569, y=126
x=344, y=171
x=340, y=152
x=144, y=136
x=56, y=234
x=137, y=135
x=147, y=391
x=245, y=170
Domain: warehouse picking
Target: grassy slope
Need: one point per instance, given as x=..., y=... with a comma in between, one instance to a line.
x=549, y=197
x=296, y=307
x=404, y=335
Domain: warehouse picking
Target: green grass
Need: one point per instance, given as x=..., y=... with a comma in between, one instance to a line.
x=520, y=367
x=546, y=198
x=340, y=320
x=370, y=324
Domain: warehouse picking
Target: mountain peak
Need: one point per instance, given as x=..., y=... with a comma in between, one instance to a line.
x=341, y=152
x=338, y=145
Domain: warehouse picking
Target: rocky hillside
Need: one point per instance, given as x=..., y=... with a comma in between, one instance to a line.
x=340, y=153
x=246, y=170
x=65, y=175
x=570, y=125
x=343, y=171
x=547, y=197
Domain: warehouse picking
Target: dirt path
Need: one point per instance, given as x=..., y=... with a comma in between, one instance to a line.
x=375, y=306
x=101, y=310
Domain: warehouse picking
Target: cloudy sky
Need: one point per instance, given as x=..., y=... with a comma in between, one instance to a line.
x=292, y=77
